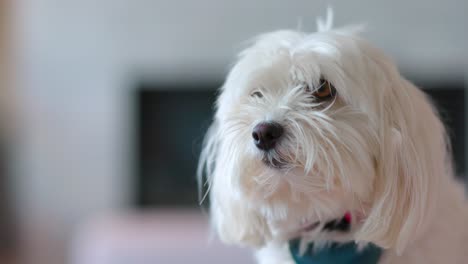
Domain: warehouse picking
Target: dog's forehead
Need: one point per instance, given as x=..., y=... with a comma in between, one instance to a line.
x=284, y=70
x=279, y=74
x=293, y=59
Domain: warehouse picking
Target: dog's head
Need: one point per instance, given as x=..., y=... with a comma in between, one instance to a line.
x=310, y=126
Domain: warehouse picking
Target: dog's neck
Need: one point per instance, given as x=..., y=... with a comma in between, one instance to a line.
x=335, y=252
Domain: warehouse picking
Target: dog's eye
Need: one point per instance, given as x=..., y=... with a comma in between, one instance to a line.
x=257, y=94
x=325, y=91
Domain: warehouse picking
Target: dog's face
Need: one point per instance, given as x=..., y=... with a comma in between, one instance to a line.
x=309, y=127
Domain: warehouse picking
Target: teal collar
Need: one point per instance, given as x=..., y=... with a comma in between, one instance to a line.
x=346, y=253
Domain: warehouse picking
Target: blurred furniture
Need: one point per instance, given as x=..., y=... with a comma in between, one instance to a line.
x=161, y=237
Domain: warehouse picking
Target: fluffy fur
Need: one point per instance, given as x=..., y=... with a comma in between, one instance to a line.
x=378, y=150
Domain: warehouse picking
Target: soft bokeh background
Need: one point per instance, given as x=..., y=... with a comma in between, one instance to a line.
x=80, y=83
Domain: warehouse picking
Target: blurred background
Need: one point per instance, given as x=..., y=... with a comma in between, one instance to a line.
x=97, y=96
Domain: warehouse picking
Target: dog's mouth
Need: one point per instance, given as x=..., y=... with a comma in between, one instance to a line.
x=342, y=224
x=276, y=163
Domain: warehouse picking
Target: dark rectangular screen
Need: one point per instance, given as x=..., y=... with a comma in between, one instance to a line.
x=171, y=126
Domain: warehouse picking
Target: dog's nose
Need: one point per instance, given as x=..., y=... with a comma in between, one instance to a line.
x=265, y=135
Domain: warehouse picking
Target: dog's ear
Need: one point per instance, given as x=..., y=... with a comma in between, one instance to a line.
x=412, y=162
x=232, y=218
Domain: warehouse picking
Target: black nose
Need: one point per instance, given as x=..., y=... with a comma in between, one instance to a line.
x=265, y=135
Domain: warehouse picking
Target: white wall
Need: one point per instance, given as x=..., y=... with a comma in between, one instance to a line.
x=79, y=59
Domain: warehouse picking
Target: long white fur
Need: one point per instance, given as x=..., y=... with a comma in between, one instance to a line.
x=379, y=150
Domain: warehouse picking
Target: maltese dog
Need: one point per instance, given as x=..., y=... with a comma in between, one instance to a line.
x=318, y=140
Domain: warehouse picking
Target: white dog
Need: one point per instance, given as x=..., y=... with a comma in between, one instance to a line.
x=315, y=129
